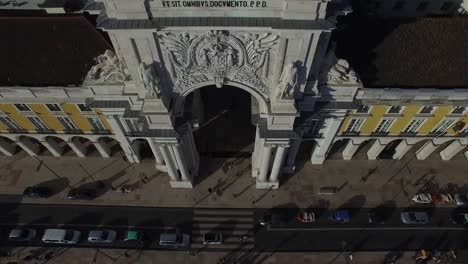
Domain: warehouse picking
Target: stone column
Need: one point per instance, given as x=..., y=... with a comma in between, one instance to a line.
x=28, y=147
x=6, y=148
x=103, y=149
x=401, y=150
x=330, y=127
x=451, y=150
x=350, y=150
x=119, y=132
x=290, y=165
x=426, y=150
x=172, y=171
x=53, y=147
x=181, y=162
x=265, y=166
x=78, y=148
x=278, y=163
x=156, y=153
x=375, y=150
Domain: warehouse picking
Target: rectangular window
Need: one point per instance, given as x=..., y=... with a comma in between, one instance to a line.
x=399, y=5
x=426, y=110
x=54, y=107
x=67, y=123
x=384, y=125
x=443, y=126
x=363, y=109
x=458, y=110
x=84, y=108
x=96, y=123
x=394, y=110
x=354, y=125
x=9, y=123
x=413, y=126
x=422, y=6
x=132, y=125
x=22, y=107
x=446, y=6
x=38, y=123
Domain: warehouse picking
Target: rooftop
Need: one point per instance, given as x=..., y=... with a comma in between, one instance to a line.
x=47, y=50
x=409, y=53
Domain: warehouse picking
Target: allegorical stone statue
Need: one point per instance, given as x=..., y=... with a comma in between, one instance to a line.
x=108, y=68
x=151, y=81
x=341, y=73
x=287, y=82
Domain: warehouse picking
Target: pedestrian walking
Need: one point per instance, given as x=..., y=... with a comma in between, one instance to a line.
x=123, y=190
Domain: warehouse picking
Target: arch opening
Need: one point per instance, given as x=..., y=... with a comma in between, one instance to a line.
x=142, y=148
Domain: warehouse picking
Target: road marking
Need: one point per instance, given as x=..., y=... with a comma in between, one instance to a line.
x=362, y=228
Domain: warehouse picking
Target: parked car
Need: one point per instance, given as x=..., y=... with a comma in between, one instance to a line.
x=61, y=236
x=37, y=192
x=212, y=238
x=460, y=218
x=443, y=198
x=174, y=240
x=412, y=217
x=81, y=194
x=461, y=199
x=271, y=217
x=101, y=236
x=374, y=217
x=422, y=198
x=340, y=216
x=132, y=235
x=20, y=234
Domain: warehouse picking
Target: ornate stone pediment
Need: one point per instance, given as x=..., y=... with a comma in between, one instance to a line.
x=219, y=56
x=342, y=73
x=108, y=69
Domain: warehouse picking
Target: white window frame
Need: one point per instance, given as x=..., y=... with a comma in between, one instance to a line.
x=443, y=125
x=99, y=126
x=384, y=125
x=433, y=108
x=82, y=111
x=456, y=107
x=411, y=128
x=27, y=106
x=38, y=123
x=369, y=107
x=70, y=122
x=356, y=126
x=390, y=107
x=133, y=127
x=9, y=123
x=54, y=111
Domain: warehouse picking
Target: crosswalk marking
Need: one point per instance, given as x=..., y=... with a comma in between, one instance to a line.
x=233, y=224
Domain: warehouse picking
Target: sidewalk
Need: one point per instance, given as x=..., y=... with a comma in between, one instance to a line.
x=389, y=181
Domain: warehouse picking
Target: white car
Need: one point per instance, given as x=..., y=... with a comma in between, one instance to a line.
x=61, y=236
x=101, y=236
x=422, y=198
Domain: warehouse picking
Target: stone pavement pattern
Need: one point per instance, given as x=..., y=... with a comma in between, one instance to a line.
x=385, y=180
x=108, y=256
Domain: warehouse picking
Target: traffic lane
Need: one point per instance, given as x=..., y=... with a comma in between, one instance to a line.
x=150, y=238
x=360, y=240
x=359, y=217
x=96, y=215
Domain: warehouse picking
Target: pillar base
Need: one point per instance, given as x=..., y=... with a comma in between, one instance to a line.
x=267, y=185
x=317, y=159
x=181, y=184
x=162, y=168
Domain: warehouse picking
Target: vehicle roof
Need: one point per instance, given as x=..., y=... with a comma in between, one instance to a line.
x=54, y=234
x=342, y=214
x=168, y=236
x=131, y=235
x=15, y=232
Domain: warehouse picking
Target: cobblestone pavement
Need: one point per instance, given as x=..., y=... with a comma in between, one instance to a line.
x=108, y=256
x=359, y=183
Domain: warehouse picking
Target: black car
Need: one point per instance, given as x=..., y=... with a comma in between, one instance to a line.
x=37, y=192
x=269, y=218
x=460, y=218
x=81, y=194
x=375, y=217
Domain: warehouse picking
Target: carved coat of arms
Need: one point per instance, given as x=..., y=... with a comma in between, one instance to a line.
x=218, y=56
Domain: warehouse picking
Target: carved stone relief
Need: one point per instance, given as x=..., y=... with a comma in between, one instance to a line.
x=108, y=69
x=341, y=73
x=150, y=80
x=219, y=56
x=287, y=82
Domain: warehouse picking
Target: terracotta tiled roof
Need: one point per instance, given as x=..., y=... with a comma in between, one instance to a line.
x=417, y=53
x=47, y=50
